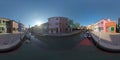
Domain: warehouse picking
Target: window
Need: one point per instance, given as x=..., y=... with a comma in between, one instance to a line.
x=56, y=23
x=66, y=24
x=2, y=28
x=56, y=29
x=101, y=22
x=0, y=21
x=14, y=29
x=51, y=30
x=112, y=28
x=3, y=21
x=101, y=28
x=66, y=29
x=60, y=23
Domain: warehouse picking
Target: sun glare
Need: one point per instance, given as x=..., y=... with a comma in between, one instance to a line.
x=38, y=23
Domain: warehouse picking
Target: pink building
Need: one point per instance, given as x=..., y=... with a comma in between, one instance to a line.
x=106, y=25
x=58, y=25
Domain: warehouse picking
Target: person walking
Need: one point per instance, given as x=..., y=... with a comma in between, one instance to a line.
x=88, y=34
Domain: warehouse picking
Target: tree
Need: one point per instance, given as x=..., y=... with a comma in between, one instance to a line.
x=77, y=25
x=71, y=24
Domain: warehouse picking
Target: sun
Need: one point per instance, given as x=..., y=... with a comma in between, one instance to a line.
x=38, y=23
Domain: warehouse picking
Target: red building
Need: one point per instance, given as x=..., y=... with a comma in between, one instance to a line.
x=13, y=26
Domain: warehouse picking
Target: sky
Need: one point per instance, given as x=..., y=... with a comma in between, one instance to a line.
x=85, y=12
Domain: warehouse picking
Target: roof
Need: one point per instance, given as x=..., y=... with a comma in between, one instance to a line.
x=5, y=19
x=14, y=21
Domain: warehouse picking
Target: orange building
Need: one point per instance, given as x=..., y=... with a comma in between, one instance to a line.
x=111, y=27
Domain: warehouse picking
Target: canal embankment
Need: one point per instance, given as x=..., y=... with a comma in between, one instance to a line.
x=106, y=41
x=10, y=41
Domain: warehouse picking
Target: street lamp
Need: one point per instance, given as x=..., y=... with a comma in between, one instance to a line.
x=19, y=28
x=99, y=34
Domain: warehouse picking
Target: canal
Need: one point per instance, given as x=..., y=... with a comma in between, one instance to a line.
x=35, y=51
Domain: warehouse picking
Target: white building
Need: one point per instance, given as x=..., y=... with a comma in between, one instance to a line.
x=96, y=27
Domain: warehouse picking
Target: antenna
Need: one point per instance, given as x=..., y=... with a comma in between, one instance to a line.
x=29, y=29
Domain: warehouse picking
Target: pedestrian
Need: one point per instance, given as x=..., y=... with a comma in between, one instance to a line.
x=88, y=34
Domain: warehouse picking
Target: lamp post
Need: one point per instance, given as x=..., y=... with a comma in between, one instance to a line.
x=99, y=34
x=19, y=28
x=29, y=30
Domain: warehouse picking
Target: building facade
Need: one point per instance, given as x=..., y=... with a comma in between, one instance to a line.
x=96, y=28
x=21, y=27
x=118, y=26
x=4, y=25
x=58, y=25
x=91, y=27
x=106, y=25
x=13, y=26
x=10, y=26
x=44, y=28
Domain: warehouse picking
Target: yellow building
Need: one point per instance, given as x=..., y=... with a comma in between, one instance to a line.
x=91, y=27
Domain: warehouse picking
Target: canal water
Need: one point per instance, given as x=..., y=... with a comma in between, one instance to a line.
x=35, y=51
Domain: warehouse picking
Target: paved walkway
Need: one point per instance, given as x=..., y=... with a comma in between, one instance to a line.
x=107, y=40
x=8, y=40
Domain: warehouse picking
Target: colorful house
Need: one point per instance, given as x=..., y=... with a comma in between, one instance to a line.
x=4, y=25
x=96, y=28
x=58, y=25
x=10, y=26
x=91, y=27
x=21, y=27
x=106, y=25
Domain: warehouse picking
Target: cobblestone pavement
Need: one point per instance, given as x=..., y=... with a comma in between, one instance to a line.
x=9, y=39
x=109, y=40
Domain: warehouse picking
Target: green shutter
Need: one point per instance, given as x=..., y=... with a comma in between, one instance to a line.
x=112, y=28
